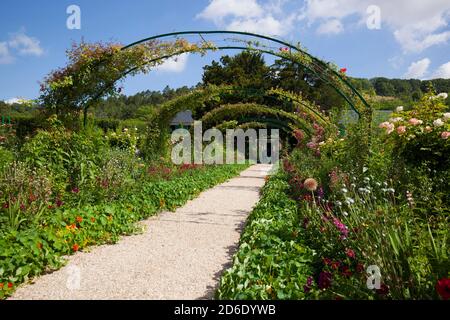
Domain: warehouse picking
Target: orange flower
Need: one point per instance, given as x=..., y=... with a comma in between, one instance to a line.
x=73, y=226
x=75, y=247
x=92, y=219
x=39, y=245
x=79, y=219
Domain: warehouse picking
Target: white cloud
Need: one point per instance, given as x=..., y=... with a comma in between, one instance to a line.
x=249, y=15
x=26, y=45
x=217, y=10
x=442, y=72
x=19, y=43
x=5, y=55
x=418, y=69
x=14, y=100
x=333, y=26
x=416, y=24
x=176, y=64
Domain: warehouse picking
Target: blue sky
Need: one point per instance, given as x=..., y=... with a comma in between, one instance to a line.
x=412, y=39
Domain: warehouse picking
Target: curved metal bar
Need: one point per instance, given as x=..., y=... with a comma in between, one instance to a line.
x=284, y=43
x=221, y=48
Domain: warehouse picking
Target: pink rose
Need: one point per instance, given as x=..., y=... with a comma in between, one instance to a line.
x=401, y=130
x=415, y=122
x=445, y=135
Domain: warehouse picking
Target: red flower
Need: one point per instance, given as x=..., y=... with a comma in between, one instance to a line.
x=79, y=219
x=10, y=285
x=335, y=265
x=59, y=203
x=443, y=288
x=75, y=190
x=5, y=205
x=327, y=261
x=343, y=70
x=350, y=253
x=75, y=247
x=384, y=289
x=346, y=271
x=360, y=267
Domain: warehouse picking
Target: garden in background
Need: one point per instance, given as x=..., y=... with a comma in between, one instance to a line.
x=355, y=202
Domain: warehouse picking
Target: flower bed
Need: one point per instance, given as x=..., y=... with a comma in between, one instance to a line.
x=28, y=252
x=272, y=261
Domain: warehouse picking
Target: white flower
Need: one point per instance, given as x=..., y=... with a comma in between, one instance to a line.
x=394, y=120
x=443, y=95
x=344, y=190
x=446, y=116
x=438, y=123
x=399, y=109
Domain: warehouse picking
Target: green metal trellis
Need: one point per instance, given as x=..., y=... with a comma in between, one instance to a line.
x=324, y=71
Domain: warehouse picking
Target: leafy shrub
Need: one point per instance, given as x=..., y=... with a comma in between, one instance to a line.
x=72, y=158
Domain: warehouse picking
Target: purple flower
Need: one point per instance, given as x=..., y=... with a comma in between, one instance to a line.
x=325, y=279
x=341, y=227
x=308, y=285
x=320, y=193
x=75, y=190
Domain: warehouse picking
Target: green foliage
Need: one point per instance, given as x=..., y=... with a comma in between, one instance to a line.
x=272, y=261
x=72, y=157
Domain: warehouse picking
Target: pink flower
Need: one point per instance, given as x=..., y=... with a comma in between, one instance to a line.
x=310, y=184
x=284, y=49
x=415, y=122
x=445, y=135
x=401, y=130
x=389, y=127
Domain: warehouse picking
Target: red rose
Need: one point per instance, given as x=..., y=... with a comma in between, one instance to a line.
x=10, y=285
x=75, y=247
x=343, y=70
x=443, y=288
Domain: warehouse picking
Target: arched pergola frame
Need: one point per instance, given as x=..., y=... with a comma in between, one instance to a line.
x=322, y=70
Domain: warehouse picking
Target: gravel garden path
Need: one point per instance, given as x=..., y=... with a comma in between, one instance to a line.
x=180, y=255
